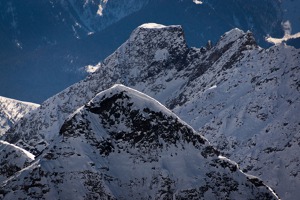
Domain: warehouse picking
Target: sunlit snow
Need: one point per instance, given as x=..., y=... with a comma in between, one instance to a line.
x=152, y=25
x=91, y=69
x=284, y=39
x=197, y=2
x=287, y=28
x=212, y=87
x=100, y=10
x=27, y=153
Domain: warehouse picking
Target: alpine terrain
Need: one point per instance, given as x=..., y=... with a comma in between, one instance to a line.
x=243, y=98
x=125, y=145
x=51, y=41
x=11, y=111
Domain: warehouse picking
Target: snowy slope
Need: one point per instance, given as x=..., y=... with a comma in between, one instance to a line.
x=242, y=97
x=11, y=111
x=126, y=145
x=12, y=159
x=250, y=112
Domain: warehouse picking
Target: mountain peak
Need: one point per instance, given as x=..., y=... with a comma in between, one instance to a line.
x=234, y=31
x=133, y=95
x=238, y=36
x=133, y=118
x=157, y=37
x=125, y=145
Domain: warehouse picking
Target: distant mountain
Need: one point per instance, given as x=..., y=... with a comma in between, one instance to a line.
x=125, y=145
x=242, y=97
x=11, y=111
x=45, y=45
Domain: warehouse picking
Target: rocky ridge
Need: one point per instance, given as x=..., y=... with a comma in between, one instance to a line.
x=125, y=145
x=243, y=98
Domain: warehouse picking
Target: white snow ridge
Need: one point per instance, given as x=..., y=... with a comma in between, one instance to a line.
x=152, y=25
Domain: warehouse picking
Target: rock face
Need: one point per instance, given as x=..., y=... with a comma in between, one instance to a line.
x=242, y=97
x=125, y=145
x=11, y=111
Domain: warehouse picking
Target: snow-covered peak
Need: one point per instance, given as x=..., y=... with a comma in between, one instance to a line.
x=235, y=32
x=234, y=35
x=131, y=114
x=11, y=111
x=140, y=100
x=124, y=145
x=158, y=32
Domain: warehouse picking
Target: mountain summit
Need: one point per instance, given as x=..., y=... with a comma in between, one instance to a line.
x=125, y=145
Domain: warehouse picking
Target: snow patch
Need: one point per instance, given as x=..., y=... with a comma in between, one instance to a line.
x=197, y=2
x=284, y=39
x=100, y=10
x=287, y=28
x=212, y=87
x=152, y=25
x=91, y=68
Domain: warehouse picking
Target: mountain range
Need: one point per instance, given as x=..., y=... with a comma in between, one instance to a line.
x=243, y=98
x=45, y=45
x=125, y=145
